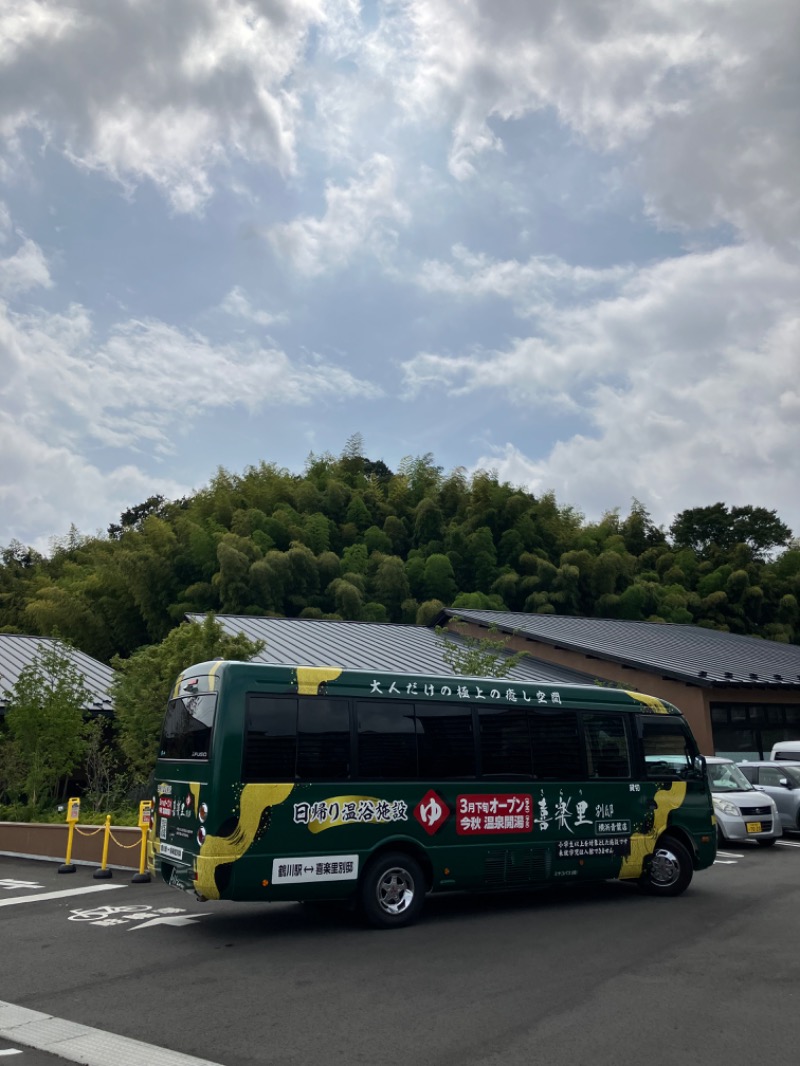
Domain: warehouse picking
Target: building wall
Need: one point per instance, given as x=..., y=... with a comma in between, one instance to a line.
x=691, y=699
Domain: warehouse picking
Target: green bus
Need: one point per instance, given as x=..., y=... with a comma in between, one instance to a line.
x=309, y=783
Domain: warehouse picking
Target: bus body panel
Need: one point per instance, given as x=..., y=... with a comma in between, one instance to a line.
x=222, y=838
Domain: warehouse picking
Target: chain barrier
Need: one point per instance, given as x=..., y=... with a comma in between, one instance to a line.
x=144, y=825
x=119, y=843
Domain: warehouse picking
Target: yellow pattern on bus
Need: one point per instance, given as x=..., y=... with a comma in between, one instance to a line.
x=218, y=850
x=316, y=826
x=653, y=702
x=643, y=844
x=309, y=678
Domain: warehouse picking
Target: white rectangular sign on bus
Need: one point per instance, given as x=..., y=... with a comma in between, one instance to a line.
x=314, y=868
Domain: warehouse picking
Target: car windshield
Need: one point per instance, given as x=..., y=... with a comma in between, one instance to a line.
x=727, y=777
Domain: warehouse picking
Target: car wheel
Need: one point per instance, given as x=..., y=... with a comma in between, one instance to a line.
x=670, y=869
x=392, y=891
x=767, y=843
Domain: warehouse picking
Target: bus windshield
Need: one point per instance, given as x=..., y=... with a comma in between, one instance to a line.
x=188, y=726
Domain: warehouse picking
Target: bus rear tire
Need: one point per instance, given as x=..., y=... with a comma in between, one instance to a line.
x=670, y=869
x=392, y=890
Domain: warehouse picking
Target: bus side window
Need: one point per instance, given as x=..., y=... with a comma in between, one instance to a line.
x=556, y=745
x=606, y=742
x=505, y=747
x=387, y=741
x=270, y=746
x=668, y=749
x=445, y=741
x=323, y=739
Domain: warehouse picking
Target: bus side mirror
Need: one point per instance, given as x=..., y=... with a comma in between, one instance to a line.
x=699, y=765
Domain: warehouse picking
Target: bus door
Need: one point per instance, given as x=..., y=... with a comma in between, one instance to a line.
x=674, y=785
x=583, y=765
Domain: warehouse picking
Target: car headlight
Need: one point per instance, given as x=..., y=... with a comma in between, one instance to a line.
x=726, y=807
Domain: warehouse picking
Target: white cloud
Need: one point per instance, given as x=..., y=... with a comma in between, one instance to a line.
x=237, y=304
x=687, y=381
x=64, y=392
x=531, y=287
x=361, y=216
x=703, y=94
x=43, y=483
x=681, y=316
x=122, y=391
x=429, y=137
x=25, y=269
x=139, y=89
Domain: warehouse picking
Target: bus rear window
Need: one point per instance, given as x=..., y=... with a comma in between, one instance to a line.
x=188, y=726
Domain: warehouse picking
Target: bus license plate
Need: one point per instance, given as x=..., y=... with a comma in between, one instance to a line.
x=753, y=827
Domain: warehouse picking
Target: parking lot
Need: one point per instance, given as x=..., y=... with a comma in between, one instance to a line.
x=586, y=974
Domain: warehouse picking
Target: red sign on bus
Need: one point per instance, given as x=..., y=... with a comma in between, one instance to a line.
x=478, y=814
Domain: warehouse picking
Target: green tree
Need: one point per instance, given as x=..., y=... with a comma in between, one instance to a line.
x=391, y=585
x=44, y=717
x=477, y=656
x=428, y=522
x=704, y=528
x=427, y=611
x=142, y=684
x=439, y=582
x=347, y=597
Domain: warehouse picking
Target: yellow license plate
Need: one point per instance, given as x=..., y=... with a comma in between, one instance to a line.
x=753, y=827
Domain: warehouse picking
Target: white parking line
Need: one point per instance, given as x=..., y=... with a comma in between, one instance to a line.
x=36, y=896
x=789, y=843
x=81, y=1043
x=730, y=854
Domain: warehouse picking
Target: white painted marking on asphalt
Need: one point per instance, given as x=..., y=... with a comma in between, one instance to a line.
x=9, y=884
x=731, y=854
x=789, y=843
x=81, y=1043
x=57, y=895
x=724, y=862
x=171, y=919
x=11, y=1051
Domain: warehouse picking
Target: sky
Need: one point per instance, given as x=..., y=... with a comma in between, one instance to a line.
x=559, y=240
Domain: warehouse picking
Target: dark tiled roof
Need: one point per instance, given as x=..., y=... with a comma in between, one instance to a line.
x=18, y=651
x=694, y=654
x=369, y=646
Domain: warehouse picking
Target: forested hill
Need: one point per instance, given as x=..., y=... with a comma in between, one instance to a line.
x=351, y=539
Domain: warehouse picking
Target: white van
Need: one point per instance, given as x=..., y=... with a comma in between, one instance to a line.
x=786, y=751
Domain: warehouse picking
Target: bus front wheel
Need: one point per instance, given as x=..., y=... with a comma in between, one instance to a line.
x=670, y=869
x=392, y=891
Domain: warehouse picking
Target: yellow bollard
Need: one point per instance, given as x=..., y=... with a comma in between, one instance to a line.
x=104, y=872
x=73, y=814
x=145, y=819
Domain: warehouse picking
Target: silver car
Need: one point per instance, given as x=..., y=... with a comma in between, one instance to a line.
x=780, y=781
x=743, y=811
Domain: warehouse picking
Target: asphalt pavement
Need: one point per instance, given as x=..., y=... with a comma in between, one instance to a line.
x=114, y=972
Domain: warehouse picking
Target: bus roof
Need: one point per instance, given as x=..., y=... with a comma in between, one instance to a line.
x=335, y=680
